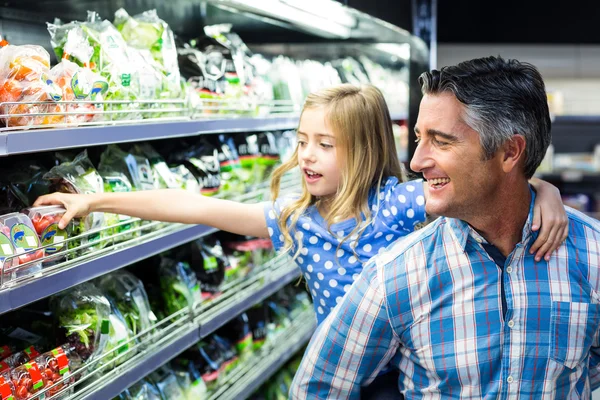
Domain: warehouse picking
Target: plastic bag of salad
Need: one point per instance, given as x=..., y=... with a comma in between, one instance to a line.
x=110, y=58
x=117, y=182
x=130, y=298
x=146, y=31
x=163, y=176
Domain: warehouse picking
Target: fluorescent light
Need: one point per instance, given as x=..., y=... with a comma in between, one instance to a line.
x=276, y=9
x=395, y=49
x=327, y=9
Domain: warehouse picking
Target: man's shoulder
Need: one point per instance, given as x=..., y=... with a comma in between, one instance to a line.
x=401, y=247
x=581, y=220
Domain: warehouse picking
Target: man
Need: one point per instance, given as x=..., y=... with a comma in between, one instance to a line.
x=461, y=307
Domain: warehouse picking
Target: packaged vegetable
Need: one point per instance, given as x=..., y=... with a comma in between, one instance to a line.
x=129, y=296
x=7, y=389
x=117, y=182
x=180, y=287
x=80, y=84
x=166, y=382
x=190, y=380
x=25, y=79
x=110, y=58
x=23, y=184
x=28, y=380
x=209, y=263
x=136, y=168
x=82, y=317
x=230, y=358
x=25, y=241
x=119, y=338
x=247, y=149
x=80, y=176
x=144, y=390
x=269, y=155
x=45, y=221
x=148, y=32
x=203, y=162
x=185, y=179
x=57, y=367
x=239, y=333
x=163, y=176
x=258, y=318
x=208, y=359
x=232, y=182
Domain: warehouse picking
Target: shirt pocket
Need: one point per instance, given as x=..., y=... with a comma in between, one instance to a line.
x=572, y=330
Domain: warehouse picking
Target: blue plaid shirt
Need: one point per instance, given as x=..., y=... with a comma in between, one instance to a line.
x=432, y=304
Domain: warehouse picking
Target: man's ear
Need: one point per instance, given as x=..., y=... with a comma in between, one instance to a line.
x=514, y=153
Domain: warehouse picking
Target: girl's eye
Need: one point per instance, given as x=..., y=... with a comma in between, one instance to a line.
x=301, y=143
x=326, y=145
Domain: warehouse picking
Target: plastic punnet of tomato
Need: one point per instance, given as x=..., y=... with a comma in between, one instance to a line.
x=21, y=357
x=45, y=222
x=25, y=241
x=7, y=389
x=57, y=367
x=28, y=380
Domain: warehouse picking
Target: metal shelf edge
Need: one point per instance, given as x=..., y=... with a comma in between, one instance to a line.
x=36, y=140
x=13, y=298
x=274, y=367
x=267, y=290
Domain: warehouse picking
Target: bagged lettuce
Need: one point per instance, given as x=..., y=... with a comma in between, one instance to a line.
x=135, y=168
x=117, y=182
x=163, y=176
x=110, y=58
x=203, y=162
x=148, y=32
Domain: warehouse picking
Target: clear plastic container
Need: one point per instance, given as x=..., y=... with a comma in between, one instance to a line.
x=28, y=381
x=21, y=357
x=45, y=222
x=7, y=389
x=57, y=366
x=24, y=240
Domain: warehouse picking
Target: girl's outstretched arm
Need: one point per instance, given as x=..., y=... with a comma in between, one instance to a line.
x=169, y=205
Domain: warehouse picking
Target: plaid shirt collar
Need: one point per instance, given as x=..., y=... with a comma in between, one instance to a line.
x=462, y=230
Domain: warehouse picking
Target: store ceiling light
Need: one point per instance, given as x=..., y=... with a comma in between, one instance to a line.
x=297, y=15
x=327, y=9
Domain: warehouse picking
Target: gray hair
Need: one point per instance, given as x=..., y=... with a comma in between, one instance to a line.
x=502, y=98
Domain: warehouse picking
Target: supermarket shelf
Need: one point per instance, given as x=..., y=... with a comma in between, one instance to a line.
x=172, y=342
x=110, y=259
x=246, y=300
x=258, y=370
x=36, y=140
x=141, y=365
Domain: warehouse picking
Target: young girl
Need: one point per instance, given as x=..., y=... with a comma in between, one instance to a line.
x=352, y=204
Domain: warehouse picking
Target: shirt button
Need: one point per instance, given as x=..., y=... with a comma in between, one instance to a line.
x=511, y=323
x=510, y=379
x=478, y=240
x=509, y=269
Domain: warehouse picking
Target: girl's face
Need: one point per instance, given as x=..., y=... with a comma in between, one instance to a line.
x=317, y=154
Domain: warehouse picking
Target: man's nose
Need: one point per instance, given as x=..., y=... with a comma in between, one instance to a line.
x=421, y=159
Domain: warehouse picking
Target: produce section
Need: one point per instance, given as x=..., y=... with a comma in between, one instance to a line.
x=101, y=308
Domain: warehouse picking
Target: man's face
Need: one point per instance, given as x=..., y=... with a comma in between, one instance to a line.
x=449, y=154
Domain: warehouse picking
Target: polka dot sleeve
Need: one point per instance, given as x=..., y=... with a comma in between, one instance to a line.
x=403, y=204
x=272, y=214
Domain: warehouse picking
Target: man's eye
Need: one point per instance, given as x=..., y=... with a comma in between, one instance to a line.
x=418, y=139
x=440, y=143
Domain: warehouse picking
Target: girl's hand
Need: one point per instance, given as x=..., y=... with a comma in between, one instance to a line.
x=77, y=205
x=549, y=214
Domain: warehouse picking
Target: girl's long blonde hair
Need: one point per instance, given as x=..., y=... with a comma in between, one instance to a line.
x=366, y=153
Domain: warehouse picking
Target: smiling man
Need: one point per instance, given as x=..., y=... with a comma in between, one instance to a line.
x=461, y=307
